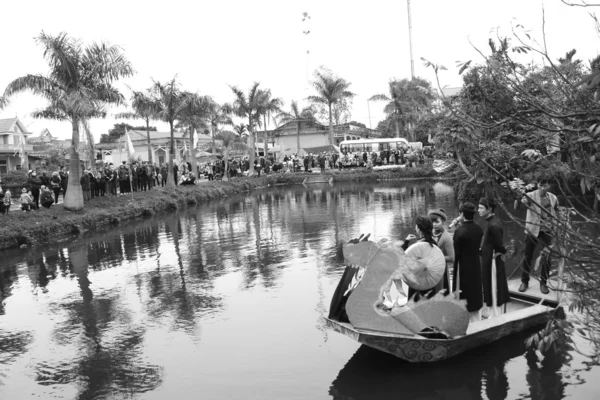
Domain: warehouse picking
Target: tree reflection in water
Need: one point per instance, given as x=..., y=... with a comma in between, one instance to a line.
x=374, y=375
x=109, y=350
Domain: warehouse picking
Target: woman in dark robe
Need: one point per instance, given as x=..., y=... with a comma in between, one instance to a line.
x=493, y=245
x=467, y=263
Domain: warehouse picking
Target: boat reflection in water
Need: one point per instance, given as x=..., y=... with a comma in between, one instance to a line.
x=480, y=373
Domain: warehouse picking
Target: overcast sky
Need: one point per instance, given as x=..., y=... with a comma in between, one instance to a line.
x=213, y=44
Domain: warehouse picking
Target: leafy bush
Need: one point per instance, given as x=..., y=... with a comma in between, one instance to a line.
x=14, y=178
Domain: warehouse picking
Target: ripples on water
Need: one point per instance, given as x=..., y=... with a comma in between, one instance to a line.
x=224, y=301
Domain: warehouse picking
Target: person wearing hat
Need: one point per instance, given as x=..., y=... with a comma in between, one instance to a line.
x=493, y=249
x=424, y=250
x=7, y=201
x=444, y=242
x=467, y=264
x=25, y=200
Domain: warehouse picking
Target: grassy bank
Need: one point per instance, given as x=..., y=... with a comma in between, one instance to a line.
x=45, y=225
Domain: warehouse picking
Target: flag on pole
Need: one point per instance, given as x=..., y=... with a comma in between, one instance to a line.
x=195, y=140
x=130, y=148
x=20, y=148
x=130, y=155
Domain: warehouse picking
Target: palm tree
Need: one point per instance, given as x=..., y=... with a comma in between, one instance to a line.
x=330, y=89
x=394, y=105
x=240, y=129
x=230, y=141
x=267, y=106
x=217, y=115
x=78, y=87
x=248, y=107
x=193, y=118
x=407, y=101
x=172, y=103
x=144, y=107
x=307, y=114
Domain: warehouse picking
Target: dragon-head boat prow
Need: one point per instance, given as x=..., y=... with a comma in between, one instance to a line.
x=439, y=316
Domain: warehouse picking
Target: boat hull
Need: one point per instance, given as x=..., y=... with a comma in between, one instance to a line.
x=420, y=350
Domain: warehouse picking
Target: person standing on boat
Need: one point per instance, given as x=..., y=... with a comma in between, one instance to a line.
x=444, y=242
x=494, y=279
x=538, y=227
x=467, y=264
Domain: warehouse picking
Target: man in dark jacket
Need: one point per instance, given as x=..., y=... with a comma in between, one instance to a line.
x=85, y=186
x=467, y=265
x=64, y=180
x=35, y=184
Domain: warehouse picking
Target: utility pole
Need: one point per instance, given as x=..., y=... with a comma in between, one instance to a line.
x=369, y=109
x=412, y=62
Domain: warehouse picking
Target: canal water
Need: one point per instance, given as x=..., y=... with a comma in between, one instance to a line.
x=224, y=301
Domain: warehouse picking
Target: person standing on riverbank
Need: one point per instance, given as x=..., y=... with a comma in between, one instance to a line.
x=35, y=184
x=56, y=184
x=6, y=202
x=85, y=186
x=467, y=264
x=64, y=181
x=541, y=214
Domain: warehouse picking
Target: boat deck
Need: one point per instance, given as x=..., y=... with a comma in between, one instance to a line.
x=533, y=291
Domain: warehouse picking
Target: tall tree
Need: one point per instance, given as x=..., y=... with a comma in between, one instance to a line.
x=172, y=103
x=268, y=105
x=230, y=141
x=217, y=115
x=393, y=108
x=240, y=129
x=248, y=107
x=145, y=108
x=192, y=119
x=330, y=89
x=408, y=101
x=298, y=116
x=78, y=87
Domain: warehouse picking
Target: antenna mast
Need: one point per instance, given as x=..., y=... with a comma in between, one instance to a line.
x=412, y=62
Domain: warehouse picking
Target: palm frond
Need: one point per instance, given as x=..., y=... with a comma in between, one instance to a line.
x=37, y=84
x=317, y=99
x=63, y=55
x=50, y=113
x=379, y=97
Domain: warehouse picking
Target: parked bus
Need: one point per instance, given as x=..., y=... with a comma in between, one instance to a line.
x=371, y=145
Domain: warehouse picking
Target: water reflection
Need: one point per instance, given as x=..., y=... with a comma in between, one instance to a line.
x=373, y=375
x=225, y=300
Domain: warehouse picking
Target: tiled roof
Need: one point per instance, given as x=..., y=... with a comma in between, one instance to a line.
x=6, y=125
x=141, y=135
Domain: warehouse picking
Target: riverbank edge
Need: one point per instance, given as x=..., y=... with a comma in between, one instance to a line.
x=44, y=226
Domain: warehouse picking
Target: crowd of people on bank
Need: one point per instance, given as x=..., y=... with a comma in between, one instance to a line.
x=45, y=188
x=291, y=163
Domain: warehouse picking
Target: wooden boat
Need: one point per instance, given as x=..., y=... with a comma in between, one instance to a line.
x=524, y=311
